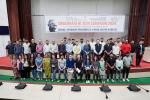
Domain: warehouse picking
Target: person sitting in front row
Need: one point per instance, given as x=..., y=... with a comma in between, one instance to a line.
x=62, y=67
x=119, y=68
x=87, y=65
x=70, y=63
x=102, y=72
x=127, y=61
x=54, y=66
x=111, y=67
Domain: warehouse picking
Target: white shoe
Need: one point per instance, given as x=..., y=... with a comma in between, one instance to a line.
x=123, y=80
x=107, y=80
x=127, y=80
x=88, y=81
x=93, y=82
x=68, y=81
x=58, y=81
x=112, y=80
x=52, y=80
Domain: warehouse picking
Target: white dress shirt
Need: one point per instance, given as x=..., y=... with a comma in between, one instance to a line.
x=76, y=49
x=54, y=48
x=92, y=44
x=69, y=47
x=103, y=44
x=119, y=64
x=116, y=50
x=26, y=48
x=46, y=48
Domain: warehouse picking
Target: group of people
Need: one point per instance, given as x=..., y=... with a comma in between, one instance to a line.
x=105, y=61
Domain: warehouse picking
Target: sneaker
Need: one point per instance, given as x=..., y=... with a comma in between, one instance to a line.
x=123, y=80
x=107, y=80
x=86, y=81
x=112, y=80
x=93, y=82
x=58, y=81
x=52, y=80
x=127, y=80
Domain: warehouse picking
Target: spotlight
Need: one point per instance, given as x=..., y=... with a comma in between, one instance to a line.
x=1, y=83
x=76, y=88
x=104, y=88
x=133, y=87
x=47, y=87
x=20, y=86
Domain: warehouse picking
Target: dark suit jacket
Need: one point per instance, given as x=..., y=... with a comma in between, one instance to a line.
x=98, y=47
x=138, y=49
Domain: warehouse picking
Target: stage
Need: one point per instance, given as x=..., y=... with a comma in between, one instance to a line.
x=5, y=64
x=61, y=92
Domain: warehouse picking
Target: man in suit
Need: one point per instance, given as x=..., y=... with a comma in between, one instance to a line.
x=97, y=49
x=139, y=52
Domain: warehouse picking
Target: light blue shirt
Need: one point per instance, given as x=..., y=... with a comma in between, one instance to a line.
x=69, y=47
x=82, y=45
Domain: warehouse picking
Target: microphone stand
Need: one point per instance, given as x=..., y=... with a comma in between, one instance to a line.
x=142, y=88
x=137, y=84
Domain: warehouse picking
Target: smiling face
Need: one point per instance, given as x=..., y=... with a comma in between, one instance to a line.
x=70, y=57
x=97, y=41
x=32, y=40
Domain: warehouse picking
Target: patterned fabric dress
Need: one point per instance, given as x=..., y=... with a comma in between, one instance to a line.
x=46, y=67
x=15, y=69
x=95, y=67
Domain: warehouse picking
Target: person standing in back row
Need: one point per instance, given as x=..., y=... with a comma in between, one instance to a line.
x=132, y=53
x=139, y=52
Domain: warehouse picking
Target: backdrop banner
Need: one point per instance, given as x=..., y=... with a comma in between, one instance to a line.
x=85, y=23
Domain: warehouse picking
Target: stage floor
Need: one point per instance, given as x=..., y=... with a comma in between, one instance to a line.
x=5, y=63
x=61, y=92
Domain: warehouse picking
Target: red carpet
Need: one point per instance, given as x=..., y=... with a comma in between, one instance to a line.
x=5, y=63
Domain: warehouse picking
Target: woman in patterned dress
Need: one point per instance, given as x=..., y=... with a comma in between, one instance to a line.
x=46, y=66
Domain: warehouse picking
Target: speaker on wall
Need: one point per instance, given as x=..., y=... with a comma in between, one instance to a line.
x=4, y=30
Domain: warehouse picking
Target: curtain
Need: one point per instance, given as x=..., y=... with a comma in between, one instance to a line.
x=133, y=20
x=13, y=19
x=147, y=30
x=139, y=21
x=19, y=16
